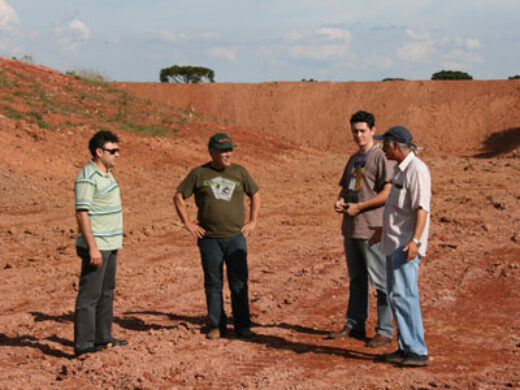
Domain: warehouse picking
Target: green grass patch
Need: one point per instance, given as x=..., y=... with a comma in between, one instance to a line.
x=43, y=124
x=13, y=113
x=8, y=98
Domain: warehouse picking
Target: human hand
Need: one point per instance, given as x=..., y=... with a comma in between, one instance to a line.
x=339, y=206
x=96, y=260
x=195, y=229
x=412, y=249
x=352, y=209
x=248, y=228
x=376, y=237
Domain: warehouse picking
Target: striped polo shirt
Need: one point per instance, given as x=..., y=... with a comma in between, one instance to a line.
x=98, y=193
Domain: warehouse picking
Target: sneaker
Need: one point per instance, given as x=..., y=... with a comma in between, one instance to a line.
x=379, y=341
x=347, y=332
x=413, y=360
x=113, y=343
x=394, y=357
x=245, y=333
x=214, y=334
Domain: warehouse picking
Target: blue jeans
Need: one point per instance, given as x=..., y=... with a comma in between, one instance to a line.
x=364, y=263
x=404, y=300
x=214, y=253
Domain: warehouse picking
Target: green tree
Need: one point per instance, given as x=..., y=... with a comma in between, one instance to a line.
x=451, y=75
x=515, y=77
x=187, y=74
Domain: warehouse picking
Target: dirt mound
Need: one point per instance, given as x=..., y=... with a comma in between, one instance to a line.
x=446, y=117
x=298, y=282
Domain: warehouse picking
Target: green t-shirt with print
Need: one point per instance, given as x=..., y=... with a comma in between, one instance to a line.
x=219, y=196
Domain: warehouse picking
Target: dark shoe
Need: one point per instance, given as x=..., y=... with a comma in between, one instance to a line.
x=214, y=334
x=413, y=360
x=347, y=332
x=394, y=357
x=245, y=333
x=379, y=341
x=113, y=343
x=79, y=352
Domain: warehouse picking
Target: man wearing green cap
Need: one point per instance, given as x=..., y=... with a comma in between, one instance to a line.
x=219, y=187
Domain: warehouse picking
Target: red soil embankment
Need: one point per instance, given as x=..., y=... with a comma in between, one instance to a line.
x=446, y=117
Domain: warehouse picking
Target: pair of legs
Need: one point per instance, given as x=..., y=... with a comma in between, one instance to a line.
x=403, y=295
x=366, y=263
x=233, y=252
x=94, y=304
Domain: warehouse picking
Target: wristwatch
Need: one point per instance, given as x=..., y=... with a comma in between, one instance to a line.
x=417, y=242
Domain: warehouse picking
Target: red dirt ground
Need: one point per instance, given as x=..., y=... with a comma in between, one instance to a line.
x=298, y=285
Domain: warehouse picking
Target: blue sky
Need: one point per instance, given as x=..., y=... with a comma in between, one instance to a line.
x=267, y=40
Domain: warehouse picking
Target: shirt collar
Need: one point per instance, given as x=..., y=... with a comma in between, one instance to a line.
x=403, y=164
x=96, y=168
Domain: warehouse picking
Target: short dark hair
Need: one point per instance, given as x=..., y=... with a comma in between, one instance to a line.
x=363, y=116
x=100, y=139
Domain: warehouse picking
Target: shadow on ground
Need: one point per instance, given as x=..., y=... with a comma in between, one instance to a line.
x=500, y=143
x=32, y=342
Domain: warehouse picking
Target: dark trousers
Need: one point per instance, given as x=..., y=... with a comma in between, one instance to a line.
x=94, y=305
x=233, y=251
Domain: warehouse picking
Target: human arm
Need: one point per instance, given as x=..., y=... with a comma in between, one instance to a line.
x=377, y=200
x=86, y=231
x=420, y=223
x=253, y=215
x=182, y=212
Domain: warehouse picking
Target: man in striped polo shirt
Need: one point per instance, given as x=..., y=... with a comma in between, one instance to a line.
x=100, y=236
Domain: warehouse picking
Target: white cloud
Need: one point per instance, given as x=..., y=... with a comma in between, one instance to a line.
x=168, y=36
x=415, y=51
x=79, y=29
x=73, y=35
x=336, y=34
x=227, y=53
x=470, y=43
x=418, y=36
x=319, y=52
x=461, y=55
x=8, y=17
x=452, y=65
x=318, y=45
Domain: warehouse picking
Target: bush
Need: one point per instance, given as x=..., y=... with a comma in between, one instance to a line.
x=88, y=75
x=451, y=75
x=515, y=77
x=187, y=74
x=393, y=79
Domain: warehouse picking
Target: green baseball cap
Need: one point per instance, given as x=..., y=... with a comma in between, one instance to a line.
x=221, y=141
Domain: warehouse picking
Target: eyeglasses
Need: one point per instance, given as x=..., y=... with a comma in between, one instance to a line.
x=111, y=151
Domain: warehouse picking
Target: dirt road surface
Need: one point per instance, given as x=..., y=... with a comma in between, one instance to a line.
x=469, y=281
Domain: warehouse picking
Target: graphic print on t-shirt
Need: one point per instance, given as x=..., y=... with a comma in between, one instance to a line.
x=222, y=188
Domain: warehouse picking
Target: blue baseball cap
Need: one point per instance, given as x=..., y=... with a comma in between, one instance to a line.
x=397, y=133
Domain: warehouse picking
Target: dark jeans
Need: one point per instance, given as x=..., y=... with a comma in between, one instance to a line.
x=233, y=251
x=94, y=312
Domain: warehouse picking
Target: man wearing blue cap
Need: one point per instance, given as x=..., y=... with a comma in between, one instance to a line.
x=404, y=239
x=219, y=187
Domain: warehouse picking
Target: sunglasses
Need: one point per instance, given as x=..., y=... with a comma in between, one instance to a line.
x=111, y=151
